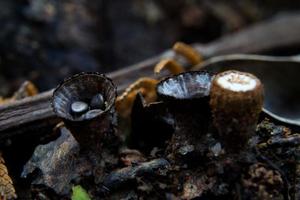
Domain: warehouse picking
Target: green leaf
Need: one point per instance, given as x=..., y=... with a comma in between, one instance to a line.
x=79, y=193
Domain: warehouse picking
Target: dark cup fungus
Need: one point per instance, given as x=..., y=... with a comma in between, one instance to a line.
x=187, y=98
x=236, y=100
x=72, y=101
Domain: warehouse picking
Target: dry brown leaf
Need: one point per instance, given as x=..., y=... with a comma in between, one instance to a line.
x=7, y=190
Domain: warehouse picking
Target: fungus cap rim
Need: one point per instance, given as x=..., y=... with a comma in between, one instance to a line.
x=252, y=80
x=205, y=86
x=108, y=107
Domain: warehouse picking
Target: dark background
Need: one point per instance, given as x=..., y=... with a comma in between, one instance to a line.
x=47, y=40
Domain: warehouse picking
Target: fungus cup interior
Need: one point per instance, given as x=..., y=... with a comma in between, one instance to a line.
x=82, y=87
x=185, y=86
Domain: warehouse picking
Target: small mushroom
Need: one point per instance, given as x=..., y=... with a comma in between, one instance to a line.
x=90, y=126
x=187, y=98
x=236, y=100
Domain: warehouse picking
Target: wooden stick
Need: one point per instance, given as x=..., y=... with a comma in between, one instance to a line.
x=35, y=113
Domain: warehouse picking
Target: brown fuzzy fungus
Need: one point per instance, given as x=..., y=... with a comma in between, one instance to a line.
x=7, y=190
x=236, y=101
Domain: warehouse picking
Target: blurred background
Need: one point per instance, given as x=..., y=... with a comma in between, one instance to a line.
x=47, y=40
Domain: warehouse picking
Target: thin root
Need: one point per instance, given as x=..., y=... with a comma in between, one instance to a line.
x=144, y=85
x=169, y=64
x=193, y=56
x=27, y=89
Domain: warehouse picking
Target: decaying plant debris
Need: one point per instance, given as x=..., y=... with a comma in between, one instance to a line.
x=190, y=155
x=6, y=184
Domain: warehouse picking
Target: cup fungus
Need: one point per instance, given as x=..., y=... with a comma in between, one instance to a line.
x=186, y=96
x=236, y=100
x=86, y=104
